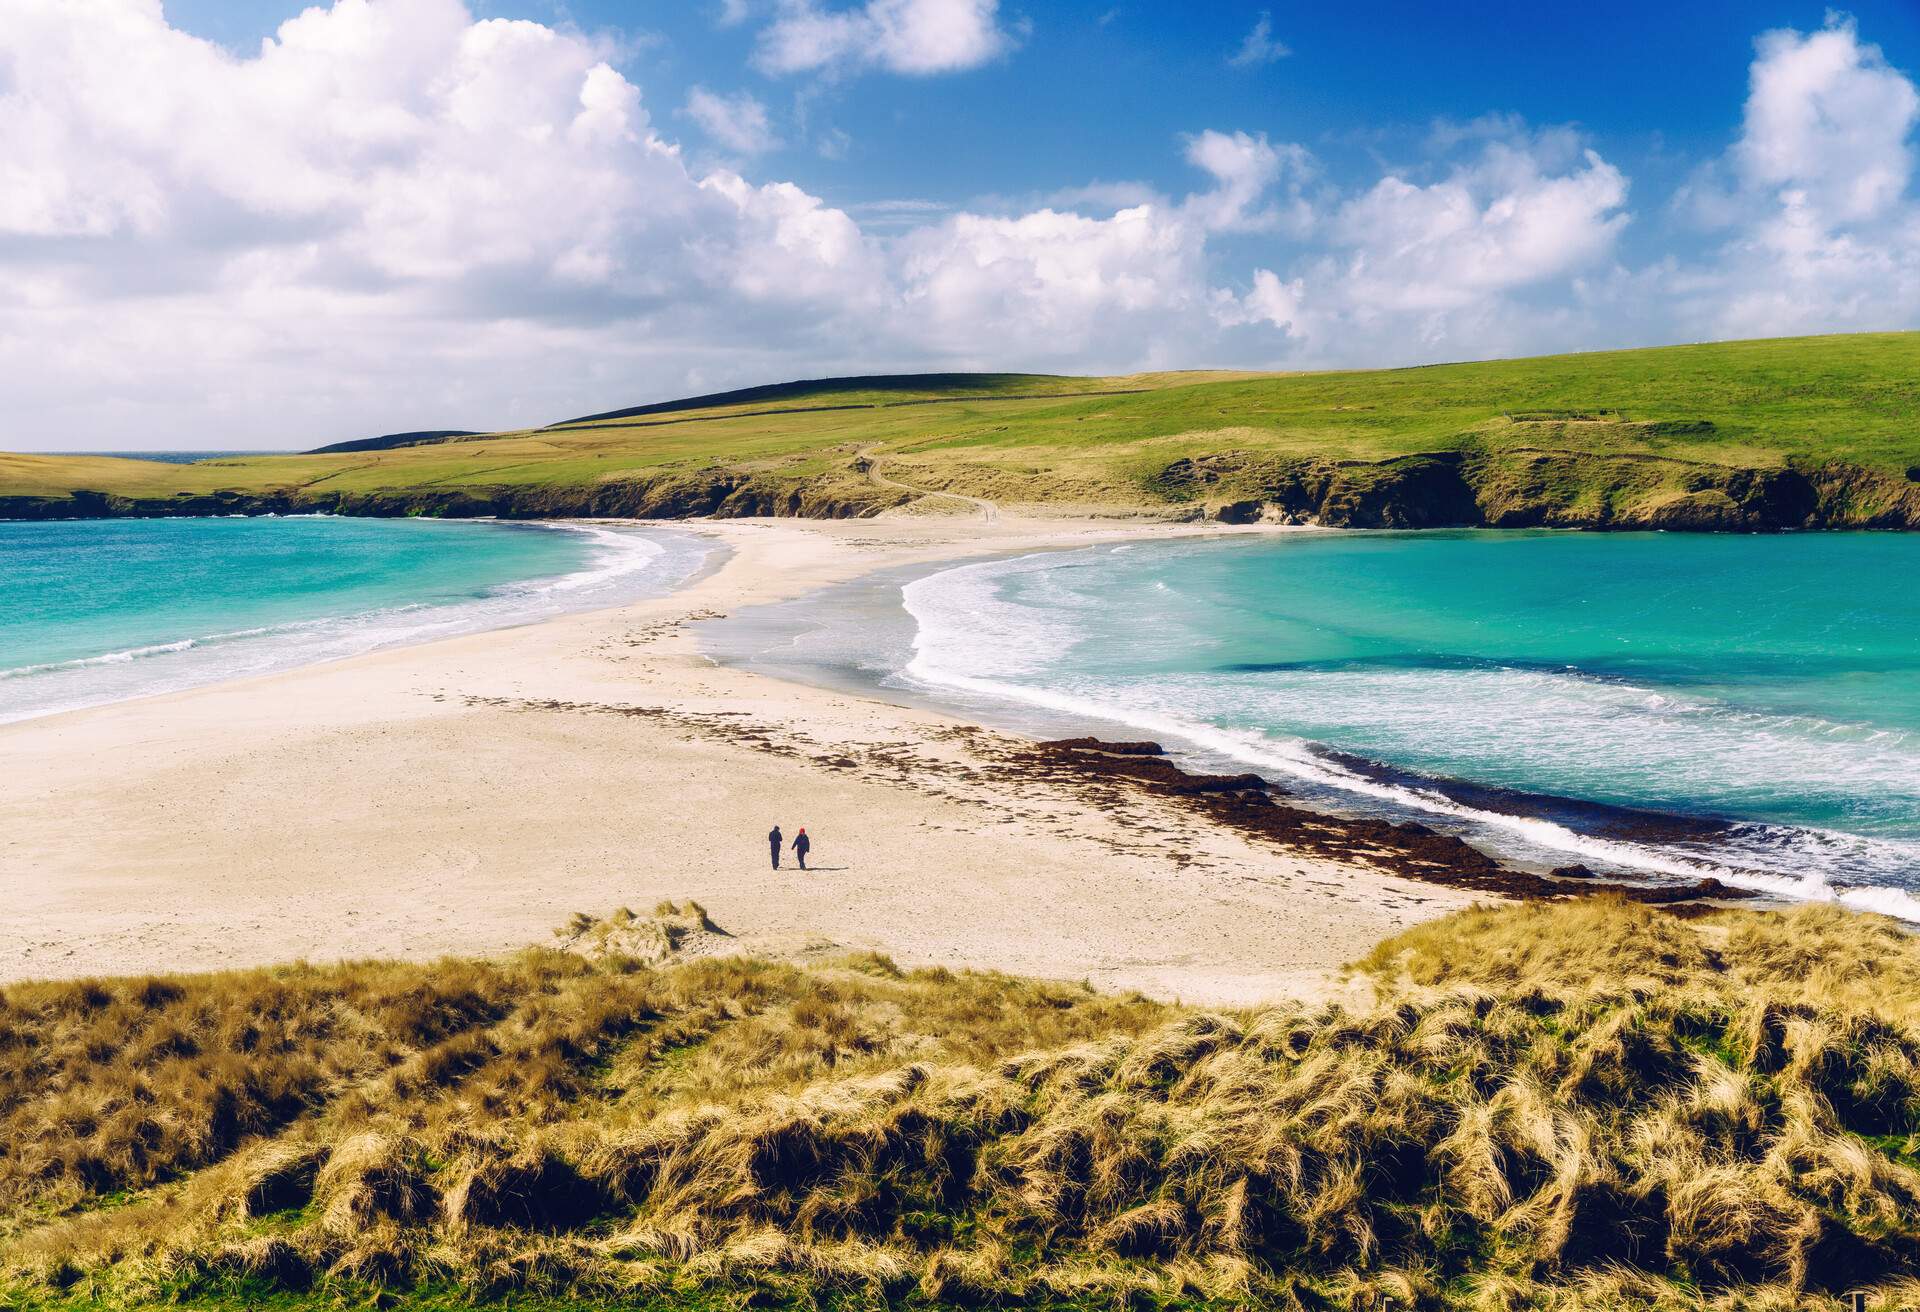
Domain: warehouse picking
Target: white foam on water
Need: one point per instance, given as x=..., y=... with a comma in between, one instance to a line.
x=110, y=658
x=623, y=566
x=971, y=640
x=622, y=556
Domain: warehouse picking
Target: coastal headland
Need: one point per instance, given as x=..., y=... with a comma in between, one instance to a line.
x=1801, y=433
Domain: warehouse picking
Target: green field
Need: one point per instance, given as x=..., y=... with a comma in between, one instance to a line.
x=1581, y=1106
x=1784, y=433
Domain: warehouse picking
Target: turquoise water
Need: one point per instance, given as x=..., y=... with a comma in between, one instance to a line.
x=94, y=611
x=1667, y=703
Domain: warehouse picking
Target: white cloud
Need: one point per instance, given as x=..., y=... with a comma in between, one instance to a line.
x=905, y=212
x=1270, y=301
x=395, y=216
x=790, y=248
x=736, y=123
x=1820, y=229
x=1407, y=270
x=1829, y=120
x=917, y=37
x=1258, y=47
x=1501, y=222
x=1245, y=169
x=1053, y=285
x=391, y=215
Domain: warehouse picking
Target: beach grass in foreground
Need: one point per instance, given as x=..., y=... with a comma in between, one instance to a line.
x=1571, y=1105
x=1820, y=432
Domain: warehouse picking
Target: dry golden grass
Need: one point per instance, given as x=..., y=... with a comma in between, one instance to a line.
x=1817, y=954
x=1577, y=1106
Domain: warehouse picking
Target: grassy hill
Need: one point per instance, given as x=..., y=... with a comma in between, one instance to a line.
x=1573, y=1106
x=1766, y=434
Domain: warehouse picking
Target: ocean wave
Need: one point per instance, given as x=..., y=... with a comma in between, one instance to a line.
x=105, y=658
x=622, y=556
x=971, y=639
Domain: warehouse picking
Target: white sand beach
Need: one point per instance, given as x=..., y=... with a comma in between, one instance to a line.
x=468, y=795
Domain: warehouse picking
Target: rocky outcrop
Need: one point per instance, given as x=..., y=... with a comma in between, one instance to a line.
x=1532, y=489
x=1419, y=491
x=714, y=493
x=83, y=504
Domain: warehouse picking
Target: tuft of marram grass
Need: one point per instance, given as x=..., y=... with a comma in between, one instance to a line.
x=1578, y=1106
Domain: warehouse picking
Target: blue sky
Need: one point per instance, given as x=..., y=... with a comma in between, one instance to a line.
x=1104, y=90
x=406, y=213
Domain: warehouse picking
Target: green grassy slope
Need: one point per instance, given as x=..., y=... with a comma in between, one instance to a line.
x=1574, y=1106
x=1785, y=433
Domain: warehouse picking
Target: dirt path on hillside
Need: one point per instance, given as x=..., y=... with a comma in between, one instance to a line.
x=988, y=510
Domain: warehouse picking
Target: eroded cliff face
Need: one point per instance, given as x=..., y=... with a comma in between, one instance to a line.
x=721, y=494
x=1505, y=489
x=1531, y=489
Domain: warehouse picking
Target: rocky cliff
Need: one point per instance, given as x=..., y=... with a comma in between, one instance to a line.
x=1510, y=488
x=1555, y=489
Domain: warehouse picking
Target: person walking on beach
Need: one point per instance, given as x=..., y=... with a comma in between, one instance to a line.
x=801, y=846
x=773, y=841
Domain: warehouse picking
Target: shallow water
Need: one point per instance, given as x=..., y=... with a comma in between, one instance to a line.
x=1666, y=704
x=96, y=611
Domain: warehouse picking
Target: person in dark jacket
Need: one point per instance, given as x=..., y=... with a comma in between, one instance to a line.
x=773, y=841
x=801, y=846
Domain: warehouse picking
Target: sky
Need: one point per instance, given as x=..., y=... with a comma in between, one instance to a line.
x=245, y=224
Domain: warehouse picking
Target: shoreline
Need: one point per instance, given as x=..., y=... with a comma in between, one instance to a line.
x=858, y=637
x=617, y=566
x=480, y=789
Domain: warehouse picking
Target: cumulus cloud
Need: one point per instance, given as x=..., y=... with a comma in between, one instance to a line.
x=1415, y=269
x=1245, y=170
x=1052, y=283
x=917, y=37
x=1269, y=302
x=735, y=123
x=1501, y=222
x=391, y=214
x=1821, y=231
x=1258, y=46
x=395, y=216
x=1829, y=120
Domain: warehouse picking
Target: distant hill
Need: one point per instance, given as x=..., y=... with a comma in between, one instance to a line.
x=389, y=441
x=1811, y=432
x=922, y=387
x=922, y=384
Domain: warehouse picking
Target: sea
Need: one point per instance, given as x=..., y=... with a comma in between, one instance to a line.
x=1661, y=706
x=172, y=457
x=96, y=611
